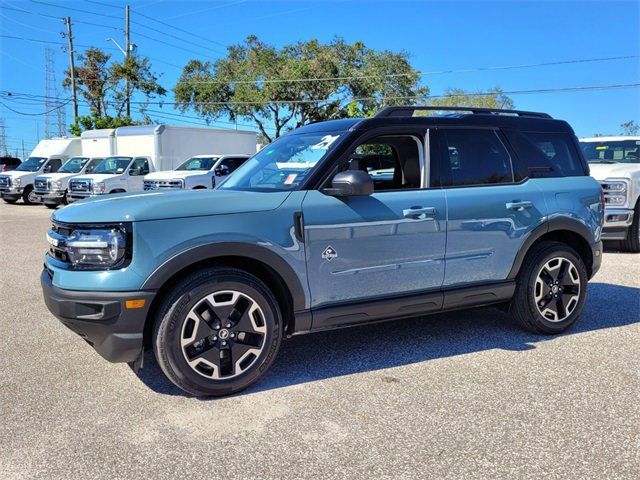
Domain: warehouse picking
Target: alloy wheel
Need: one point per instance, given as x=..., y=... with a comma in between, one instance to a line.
x=223, y=334
x=557, y=289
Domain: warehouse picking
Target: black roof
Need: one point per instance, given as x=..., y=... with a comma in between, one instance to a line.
x=513, y=119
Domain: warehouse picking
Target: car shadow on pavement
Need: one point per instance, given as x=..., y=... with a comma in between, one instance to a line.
x=317, y=356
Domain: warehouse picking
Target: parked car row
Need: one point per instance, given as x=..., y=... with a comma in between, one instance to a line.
x=127, y=159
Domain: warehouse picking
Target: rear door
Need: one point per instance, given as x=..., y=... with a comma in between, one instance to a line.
x=491, y=211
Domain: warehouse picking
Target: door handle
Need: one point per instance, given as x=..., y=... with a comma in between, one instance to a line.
x=417, y=212
x=518, y=205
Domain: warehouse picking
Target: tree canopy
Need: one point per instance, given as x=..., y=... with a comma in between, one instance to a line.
x=285, y=88
x=456, y=97
x=101, y=82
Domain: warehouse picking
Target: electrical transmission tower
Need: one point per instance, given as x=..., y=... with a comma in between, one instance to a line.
x=3, y=140
x=55, y=117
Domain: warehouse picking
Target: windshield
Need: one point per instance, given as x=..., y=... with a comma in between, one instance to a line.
x=198, y=163
x=622, y=151
x=112, y=165
x=93, y=163
x=73, y=165
x=282, y=165
x=33, y=164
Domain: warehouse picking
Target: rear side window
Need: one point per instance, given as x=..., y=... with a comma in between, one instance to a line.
x=553, y=152
x=474, y=157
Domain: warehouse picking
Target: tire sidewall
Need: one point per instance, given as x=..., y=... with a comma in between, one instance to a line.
x=173, y=321
x=537, y=318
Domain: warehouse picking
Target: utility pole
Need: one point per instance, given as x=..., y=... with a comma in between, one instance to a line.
x=127, y=49
x=23, y=156
x=67, y=21
x=54, y=118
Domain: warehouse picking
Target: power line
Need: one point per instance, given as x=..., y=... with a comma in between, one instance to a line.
x=84, y=22
x=173, y=36
x=65, y=7
x=435, y=72
x=172, y=45
x=34, y=114
x=36, y=40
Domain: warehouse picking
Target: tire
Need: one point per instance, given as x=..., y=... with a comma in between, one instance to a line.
x=552, y=283
x=51, y=206
x=25, y=195
x=632, y=242
x=192, y=319
x=10, y=200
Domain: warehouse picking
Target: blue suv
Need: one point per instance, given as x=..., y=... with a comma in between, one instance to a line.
x=335, y=224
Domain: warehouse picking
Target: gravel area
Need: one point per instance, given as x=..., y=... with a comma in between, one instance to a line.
x=465, y=394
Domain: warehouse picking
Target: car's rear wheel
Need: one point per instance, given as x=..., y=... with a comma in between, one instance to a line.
x=217, y=332
x=632, y=242
x=550, y=289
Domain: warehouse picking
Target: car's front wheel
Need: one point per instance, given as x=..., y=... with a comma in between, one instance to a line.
x=217, y=332
x=28, y=196
x=551, y=288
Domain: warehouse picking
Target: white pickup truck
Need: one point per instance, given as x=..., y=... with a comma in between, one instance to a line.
x=200, y=171
x=51, y=189
x=115, y=174
x=615, y=163
x=47, y=157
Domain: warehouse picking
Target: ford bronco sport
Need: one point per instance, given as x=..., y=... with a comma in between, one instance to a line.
x=335, y=224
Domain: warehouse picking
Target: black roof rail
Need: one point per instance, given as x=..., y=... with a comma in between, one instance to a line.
x=408, y=111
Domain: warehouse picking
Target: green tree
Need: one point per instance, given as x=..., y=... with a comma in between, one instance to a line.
x=101, y=82
x=456, y=97
x=281, y=89
x=630, y=128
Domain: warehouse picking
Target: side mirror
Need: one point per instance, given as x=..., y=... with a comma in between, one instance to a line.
x=46, y=169
x=349, y=183
x=221, y=171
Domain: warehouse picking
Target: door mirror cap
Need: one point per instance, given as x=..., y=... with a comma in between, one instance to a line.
x=350, y=183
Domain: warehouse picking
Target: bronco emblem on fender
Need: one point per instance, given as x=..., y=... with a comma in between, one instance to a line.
x=329, y=253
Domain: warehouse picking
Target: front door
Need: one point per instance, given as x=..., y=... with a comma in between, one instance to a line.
x=392, y=242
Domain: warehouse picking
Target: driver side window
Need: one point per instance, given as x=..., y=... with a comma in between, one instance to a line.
x=394, y=162
x=141, y=165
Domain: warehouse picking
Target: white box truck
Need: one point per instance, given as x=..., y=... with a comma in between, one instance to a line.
x=144, y=149
x=47, y=157
x=52, y=188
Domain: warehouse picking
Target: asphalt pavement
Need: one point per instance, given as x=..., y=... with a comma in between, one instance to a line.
x=460, y=395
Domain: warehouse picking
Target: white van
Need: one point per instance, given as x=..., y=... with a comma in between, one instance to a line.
x=52, y=188
x=47, y=157
x=200, y=171
x=116, y=174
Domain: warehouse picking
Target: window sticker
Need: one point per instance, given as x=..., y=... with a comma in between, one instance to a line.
x=290, y=178
x=325, y=143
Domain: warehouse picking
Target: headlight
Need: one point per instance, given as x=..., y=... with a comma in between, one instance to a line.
x=615, y=199
x=98, y=187
x=16, y=182
x=89, y=247
x=179, y=181
x=56, y=184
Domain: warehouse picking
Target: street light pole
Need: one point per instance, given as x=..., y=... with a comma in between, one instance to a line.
x=67, y=21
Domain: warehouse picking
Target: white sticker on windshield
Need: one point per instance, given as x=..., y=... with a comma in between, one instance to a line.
x=120, y=170
x=290, y=178
x=325, y=143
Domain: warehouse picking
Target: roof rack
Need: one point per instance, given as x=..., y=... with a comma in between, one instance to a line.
x=408, y=111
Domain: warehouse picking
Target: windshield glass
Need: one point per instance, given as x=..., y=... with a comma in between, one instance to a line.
x=33, y=164
x=73, y=165
x=93, y=163
x=198, y=163
x=623, y=151
x=282, y=165
x=112, y=165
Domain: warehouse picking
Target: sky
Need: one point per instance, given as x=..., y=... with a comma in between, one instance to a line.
x=455, y=44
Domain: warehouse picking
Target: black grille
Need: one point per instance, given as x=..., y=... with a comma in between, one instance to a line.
x=80, y=185
x=42, y=184
x=5, y=181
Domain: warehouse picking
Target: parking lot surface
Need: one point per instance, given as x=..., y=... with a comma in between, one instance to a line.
x=465, y=394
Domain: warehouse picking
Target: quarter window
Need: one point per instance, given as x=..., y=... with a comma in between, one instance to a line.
x=475, y=157
x=559, y=151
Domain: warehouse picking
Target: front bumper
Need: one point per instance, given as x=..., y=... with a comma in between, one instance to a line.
x=100, y=318
x=11, y=193
x=55, y=197
x=72, y=197
x=616, y=223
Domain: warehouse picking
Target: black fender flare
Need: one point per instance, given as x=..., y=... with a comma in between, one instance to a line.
x=201, y=253
x=554, y=224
